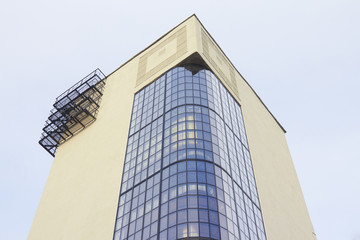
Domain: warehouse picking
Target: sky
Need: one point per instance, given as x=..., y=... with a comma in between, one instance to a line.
x=301, y=57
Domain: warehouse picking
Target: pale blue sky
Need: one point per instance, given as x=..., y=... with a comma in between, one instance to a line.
x=301, y=57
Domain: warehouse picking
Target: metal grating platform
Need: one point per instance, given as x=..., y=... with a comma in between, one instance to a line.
x=73, y=110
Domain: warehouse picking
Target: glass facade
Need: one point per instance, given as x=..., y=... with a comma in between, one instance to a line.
x=187, y=171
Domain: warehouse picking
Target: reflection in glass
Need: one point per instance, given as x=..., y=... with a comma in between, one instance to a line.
x=187, y=170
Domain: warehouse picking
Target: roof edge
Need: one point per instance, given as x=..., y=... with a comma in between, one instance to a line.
x=194, y=15
x=158, y=40
x=239, y=72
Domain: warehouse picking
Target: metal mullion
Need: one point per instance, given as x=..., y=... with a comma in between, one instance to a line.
x=126, y=151
x=162, y=150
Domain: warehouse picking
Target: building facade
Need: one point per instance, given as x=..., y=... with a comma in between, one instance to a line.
x=182, y=148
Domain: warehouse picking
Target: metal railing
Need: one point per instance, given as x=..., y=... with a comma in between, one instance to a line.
x=73, y=110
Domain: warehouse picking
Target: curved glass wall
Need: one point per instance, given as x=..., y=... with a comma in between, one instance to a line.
x=187, y=172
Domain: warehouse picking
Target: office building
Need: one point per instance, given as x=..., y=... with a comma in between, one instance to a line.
x=174, y=144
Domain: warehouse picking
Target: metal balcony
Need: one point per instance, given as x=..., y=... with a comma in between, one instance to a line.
x=73, y=111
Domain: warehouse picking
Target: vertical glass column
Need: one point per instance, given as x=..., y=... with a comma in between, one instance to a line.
x=187, y=170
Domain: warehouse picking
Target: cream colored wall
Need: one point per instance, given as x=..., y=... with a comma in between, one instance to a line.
x=81, y=195
x=284, y=210
x=177, y=45
x=283, y=206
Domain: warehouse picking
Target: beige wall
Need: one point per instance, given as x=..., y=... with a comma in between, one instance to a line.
x=80, y=197
x=282, y=203
x=81, y=194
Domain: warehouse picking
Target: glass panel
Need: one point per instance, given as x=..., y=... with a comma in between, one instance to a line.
x=187, y=169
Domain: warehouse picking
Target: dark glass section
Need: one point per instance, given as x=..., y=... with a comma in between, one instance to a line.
x=187, y=171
